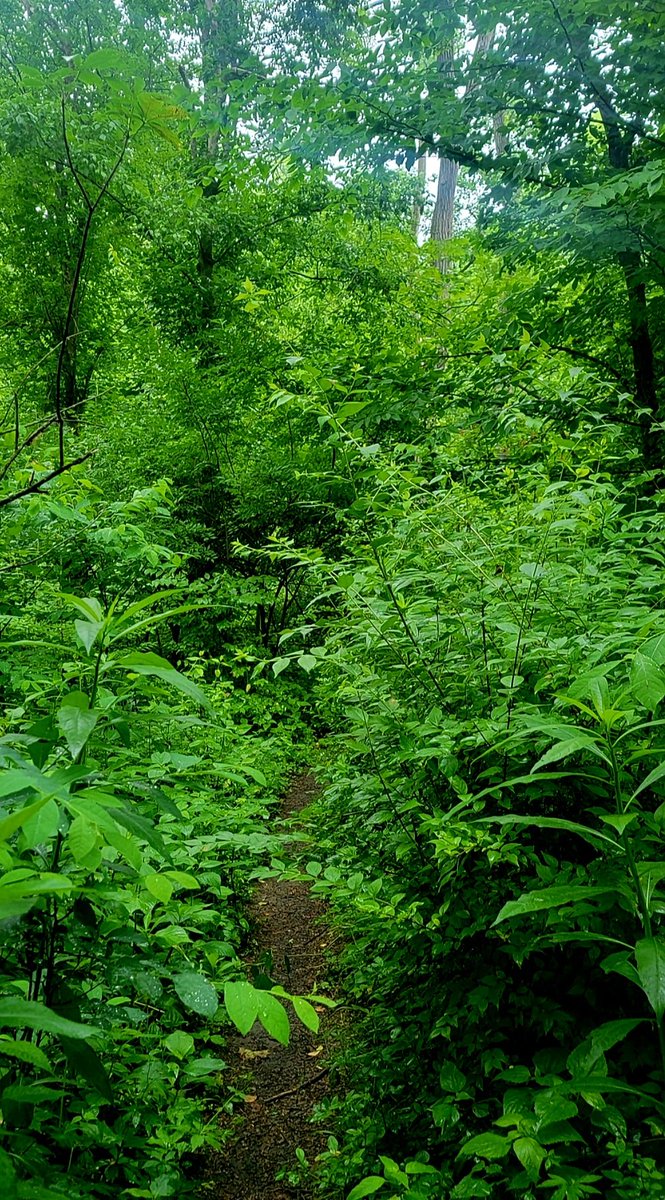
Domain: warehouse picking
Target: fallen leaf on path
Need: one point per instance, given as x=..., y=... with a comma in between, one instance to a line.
x=314, y=1053
x=249, y=1099
x=244, y=1053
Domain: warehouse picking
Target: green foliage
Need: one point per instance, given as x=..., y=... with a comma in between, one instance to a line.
x=495, y=653
x=134, y=810
x=265, y=473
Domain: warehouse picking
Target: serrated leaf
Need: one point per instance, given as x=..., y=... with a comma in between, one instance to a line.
x=197, y=993
x=240, y=1001
x=25, y=1052
x=30, y=1093
x=530, y=1154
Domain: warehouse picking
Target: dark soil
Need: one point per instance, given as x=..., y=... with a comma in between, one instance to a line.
x=282, y=1083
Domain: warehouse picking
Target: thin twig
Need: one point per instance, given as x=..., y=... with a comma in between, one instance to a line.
x=291, y=1091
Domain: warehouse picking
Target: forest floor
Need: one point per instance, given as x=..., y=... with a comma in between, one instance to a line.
x=282, y=1084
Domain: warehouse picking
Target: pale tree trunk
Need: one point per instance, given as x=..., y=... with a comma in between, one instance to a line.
x=444, y=208
x=443, y=216
x=418, y=204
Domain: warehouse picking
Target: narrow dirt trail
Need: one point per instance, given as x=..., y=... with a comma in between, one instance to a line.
x=284, y=1083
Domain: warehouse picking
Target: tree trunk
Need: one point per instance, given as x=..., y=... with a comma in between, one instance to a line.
x=443, y=217
x=619, y=153
x=418, y=204
x=444, y=208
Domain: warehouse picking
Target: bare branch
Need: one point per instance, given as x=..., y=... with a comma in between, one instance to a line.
x=40, y=483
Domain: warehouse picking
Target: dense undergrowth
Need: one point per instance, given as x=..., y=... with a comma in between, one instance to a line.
x=140, y=818
x=284, y=482
x=492, y=827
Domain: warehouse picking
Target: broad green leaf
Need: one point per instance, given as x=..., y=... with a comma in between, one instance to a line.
x=198, y=1068
x=197, y=993
x=647, y=681
x=88, y=632
x=16, y=820
x=183, y=879
x=367, y=1187
x=306, y=1013
x=240, y=1001
x=28, y=1014
x=48, y=883
x=486, y=1145
x=654, y=648
x=650, y=958
x=15, y=780
x=618, y=821
x=152, y=664
x=350, y=409
x=106, y=60
x=554, y=897
x=88, y=607
x=179, y=1043
x=76, y=721
x=451, y=1078
x=530, y=1154
x=159, y=887
x=42, y=826
x=584, y=1057
x=82, y=838
x=273, y=1017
